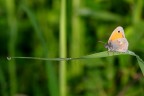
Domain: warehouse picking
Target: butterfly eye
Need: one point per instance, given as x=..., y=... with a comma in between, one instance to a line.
x=118, y=31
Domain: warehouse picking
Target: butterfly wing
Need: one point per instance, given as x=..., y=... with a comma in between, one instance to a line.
x=117, y=33
x=119, y=45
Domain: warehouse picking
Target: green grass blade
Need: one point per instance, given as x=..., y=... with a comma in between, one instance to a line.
x=63, y=49
x=50, y=70
x=12, y=23
x=106, y=54
x=91, y=56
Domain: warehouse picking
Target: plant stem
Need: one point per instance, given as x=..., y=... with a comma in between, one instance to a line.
x=63, y=48
x=12, y=22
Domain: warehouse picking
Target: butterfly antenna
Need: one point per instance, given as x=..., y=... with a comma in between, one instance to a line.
x=102, y=42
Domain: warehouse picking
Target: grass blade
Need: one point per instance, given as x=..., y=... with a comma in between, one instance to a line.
x=91, y=56
x=106, y=54
x=63, y=49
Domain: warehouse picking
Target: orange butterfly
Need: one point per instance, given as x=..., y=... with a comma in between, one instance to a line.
x=117, y=41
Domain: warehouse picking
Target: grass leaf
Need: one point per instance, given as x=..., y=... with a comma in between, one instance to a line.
x=91, y=56
x=106, y=54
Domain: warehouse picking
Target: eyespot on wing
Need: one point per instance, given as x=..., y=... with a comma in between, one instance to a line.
x=117, y=33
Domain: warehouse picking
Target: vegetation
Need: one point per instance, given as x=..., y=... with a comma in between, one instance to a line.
x=69, y=28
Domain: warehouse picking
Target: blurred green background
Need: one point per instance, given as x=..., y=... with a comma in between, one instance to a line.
x=69, y=28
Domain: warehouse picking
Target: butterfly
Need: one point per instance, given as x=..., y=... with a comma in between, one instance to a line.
x=117, y=41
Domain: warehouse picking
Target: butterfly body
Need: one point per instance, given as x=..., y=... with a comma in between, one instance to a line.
x=117, y=41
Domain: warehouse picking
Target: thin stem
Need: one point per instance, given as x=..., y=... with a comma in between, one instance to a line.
x=63, y=48
x=13, y=34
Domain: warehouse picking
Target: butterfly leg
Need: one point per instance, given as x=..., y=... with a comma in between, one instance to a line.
x=108, y=53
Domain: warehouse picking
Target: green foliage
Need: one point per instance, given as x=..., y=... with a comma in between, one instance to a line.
x=34, y=28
